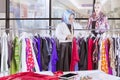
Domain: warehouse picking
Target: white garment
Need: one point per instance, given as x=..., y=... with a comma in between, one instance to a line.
x=23, y=56
x=4, y=54
x=62, y=31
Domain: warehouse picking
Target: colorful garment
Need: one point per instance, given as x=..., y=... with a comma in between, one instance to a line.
x=101, y=22
x=54, y=56
x=90, y=54
x=74, y=55
x=15, y=63
x=104, y=63
x=29, y=60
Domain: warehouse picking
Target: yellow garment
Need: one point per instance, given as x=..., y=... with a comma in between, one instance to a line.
x=104, y=64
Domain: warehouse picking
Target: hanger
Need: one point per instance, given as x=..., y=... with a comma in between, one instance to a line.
x=104, y=35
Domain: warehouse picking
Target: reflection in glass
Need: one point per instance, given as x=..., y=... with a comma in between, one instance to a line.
x=32, y=24
x=111, y=8
x=81, y=22
x=29, y=8
x=2, y=25
x=82, y=8
x=2, y=8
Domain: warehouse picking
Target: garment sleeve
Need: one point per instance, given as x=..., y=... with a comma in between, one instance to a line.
x=89, y=23
x=60, y=33
x=106, y=23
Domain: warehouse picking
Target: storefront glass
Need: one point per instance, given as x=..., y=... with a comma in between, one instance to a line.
x=29, y=8
x=82, y=8
x=2, y=8
x=111, y=8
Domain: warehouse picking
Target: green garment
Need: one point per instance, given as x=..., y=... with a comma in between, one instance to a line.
x=15, y=62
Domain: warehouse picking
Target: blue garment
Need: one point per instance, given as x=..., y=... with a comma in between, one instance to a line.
x=54, y=56
x=39, y=54
x=37, y=51
x=66, y=15
x=76, y=67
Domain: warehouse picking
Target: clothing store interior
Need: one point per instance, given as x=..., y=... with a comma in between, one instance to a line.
x=59, y=39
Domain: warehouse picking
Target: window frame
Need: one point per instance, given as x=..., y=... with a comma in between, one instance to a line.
x=7, y=15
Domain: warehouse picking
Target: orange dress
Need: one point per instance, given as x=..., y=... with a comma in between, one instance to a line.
x=104, y=63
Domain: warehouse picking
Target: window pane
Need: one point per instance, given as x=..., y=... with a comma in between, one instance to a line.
x=111, y=8
x=29, y=23
x=81, y=22
x=2, y=25
x=2, y=8
x=29, y=8
x=114, y=24
x=82, y=8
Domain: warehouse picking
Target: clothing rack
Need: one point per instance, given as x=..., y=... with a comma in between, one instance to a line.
x=49, y=28
x=117, y=29
x=26, y=29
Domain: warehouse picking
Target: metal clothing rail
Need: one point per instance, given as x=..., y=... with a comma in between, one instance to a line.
x=26, y=29
x=116, y=29
x=37, y=29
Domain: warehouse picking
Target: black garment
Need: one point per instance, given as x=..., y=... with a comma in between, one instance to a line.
x=82, y=64
x=95, y=54
x=64, y=56
x=93, y=27
x=45, y=57
x=10, y=50
x=69, y=27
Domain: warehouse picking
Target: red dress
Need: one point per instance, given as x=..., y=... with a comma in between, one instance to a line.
x=74, y=55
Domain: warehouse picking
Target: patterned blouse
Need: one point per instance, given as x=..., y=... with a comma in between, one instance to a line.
x=101, y=22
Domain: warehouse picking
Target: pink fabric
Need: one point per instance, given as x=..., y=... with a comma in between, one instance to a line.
x=28, y=76
x=30, y=60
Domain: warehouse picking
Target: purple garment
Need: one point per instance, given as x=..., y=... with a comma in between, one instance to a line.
x=76, y=67
x=39, y=54
x=107, y=54
x=50, y=52
x=34, y=43
x=54, y=57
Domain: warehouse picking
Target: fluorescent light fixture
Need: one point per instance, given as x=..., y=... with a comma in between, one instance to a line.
x=75, y=3
x=103, y=1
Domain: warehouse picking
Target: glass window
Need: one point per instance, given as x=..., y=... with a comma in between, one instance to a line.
x=82, y=8
x=83, y=23
x=114, y=24
x=31, y=25
x=29, y=8
x=111, y=8
x=2, y=25
x=2, y=8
